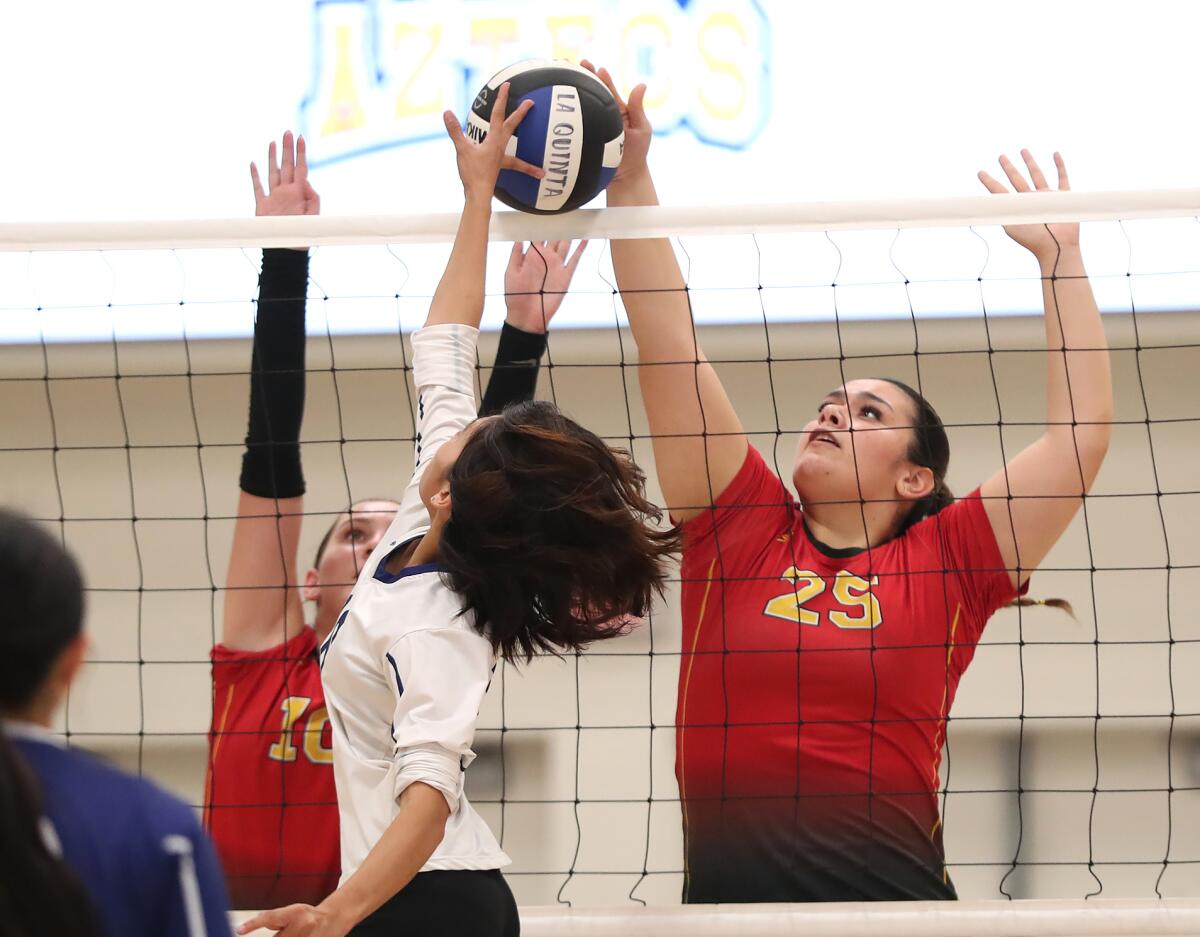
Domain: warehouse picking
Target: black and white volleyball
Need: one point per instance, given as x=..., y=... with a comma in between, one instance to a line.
x=573, y=131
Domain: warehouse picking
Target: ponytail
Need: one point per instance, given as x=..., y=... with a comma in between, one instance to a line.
x=1022, y=601
x=39, y=894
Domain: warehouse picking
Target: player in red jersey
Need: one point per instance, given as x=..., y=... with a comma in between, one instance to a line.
x=270, y=802
x=824, y=638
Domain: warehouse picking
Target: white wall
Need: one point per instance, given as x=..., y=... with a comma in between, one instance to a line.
x=1059, y=679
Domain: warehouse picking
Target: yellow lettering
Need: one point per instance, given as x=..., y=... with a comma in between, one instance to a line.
x=345, y=111
x=723, y=21
x=655, y=96
x=405, y=105
x=855, y=592
x=494, y=33
x=806, y=586
x=317, y=753
x=569, y=35
x=293, y=708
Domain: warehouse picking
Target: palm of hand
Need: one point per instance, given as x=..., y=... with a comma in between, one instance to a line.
x=536, y=281
x=289, y=198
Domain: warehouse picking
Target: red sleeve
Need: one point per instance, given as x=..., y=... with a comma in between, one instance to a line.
x=753, y=508
x=230, y=666
x=967, y=546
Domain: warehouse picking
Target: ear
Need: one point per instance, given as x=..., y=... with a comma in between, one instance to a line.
x=916, y=483
x=69, y=663
x=312, y=582
x=440, y=501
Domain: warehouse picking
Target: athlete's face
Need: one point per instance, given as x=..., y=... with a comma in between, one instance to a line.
x=856, y=447
x=435, y=483
x=351, y=539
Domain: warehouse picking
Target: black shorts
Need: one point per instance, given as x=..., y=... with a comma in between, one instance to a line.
x=447, y=904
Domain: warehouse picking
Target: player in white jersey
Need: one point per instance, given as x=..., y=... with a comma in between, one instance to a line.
x=519, y=532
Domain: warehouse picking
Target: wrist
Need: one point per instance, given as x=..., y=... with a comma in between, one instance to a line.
x=1062, y=260
x=477, y=198
x=339, y=912
x=635, y=189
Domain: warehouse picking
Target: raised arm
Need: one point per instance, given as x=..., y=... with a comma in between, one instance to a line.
x=419, y=825
x=262, y=605
x=1048, y=479
x=699, y=443
x=535, y=283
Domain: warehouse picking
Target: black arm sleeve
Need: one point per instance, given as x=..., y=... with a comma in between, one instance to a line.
x=271, y=463
x=515, y=373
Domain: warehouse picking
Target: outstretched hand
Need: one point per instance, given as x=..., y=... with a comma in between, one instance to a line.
x=480, y=163
x=288, y=190
x=536, y=280
x=295, y=920
x=1045, y=241
x=637, y=126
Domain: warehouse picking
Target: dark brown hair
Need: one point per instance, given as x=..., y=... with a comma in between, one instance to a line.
x=551, y=542
x=41, y=615
x=929, y=448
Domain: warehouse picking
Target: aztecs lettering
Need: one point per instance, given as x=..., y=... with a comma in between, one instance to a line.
x=383, y=71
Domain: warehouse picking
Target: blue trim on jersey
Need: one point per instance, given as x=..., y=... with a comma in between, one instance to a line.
x=382, y=575
x=399, y=685
x=531, y=146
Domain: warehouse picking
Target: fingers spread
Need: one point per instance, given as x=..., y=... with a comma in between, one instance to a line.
x=574, y=261
x=1014, y=175
x=605, y=77
x=454, y=129
x=499, y=108
x=1035, y=171
x=272, y=166
x=1064, y=184
x=257, y=183
x=287, y=171
x=511, y=162
x=301, y=159
x=518, y=115
x=637, y=112
x=996, y=188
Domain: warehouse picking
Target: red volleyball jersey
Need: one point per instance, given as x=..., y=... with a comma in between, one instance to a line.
x=270, y=804
x=813, y=692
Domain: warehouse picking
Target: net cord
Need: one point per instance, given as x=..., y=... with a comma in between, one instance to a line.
x=598, y=223
x=1027, y=918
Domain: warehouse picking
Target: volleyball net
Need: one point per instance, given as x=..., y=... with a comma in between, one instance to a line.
x=1071, y=767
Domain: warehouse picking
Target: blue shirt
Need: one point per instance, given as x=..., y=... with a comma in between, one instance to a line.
x=140, y=853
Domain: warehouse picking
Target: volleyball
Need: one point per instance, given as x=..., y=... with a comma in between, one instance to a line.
x=574, y=132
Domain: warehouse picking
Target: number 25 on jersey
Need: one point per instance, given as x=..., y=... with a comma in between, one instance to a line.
x=855, y=595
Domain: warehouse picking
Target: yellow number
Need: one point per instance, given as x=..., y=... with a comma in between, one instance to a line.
x=855, y=592
x=293, y=708
x=849, y=591
x=313, y=749
x=405, y=107
x=493, y=33
x=345, y=112
x=806, y=586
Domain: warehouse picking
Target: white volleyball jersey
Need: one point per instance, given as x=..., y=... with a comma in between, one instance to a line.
x=404, y=672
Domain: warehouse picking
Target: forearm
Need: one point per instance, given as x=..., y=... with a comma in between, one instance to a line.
x=271, y=464
x=1079, y=378
x=405, y=846
x=515, y=373
x=652, y=285
x=459, y=294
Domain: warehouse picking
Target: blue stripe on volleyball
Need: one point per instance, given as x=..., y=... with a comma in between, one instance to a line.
x=606, y=176
x=531, y=147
